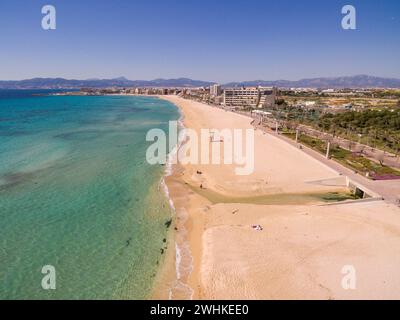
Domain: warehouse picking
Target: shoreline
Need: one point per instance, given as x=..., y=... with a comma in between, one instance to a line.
x=251, y=265
x=169, y=284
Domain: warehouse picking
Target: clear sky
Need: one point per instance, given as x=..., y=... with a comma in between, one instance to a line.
x=215, y=40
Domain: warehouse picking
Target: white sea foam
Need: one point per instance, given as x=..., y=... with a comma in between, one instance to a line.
x=166, y=191
x=183, y=257
x=173, y=154
x=183, y=262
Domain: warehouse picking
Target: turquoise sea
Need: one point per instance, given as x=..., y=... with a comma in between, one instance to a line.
x=77, y=193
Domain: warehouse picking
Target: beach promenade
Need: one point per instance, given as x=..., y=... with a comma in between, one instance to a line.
x=389, y=189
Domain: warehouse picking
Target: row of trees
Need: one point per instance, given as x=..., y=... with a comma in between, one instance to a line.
x=376, y=128
x=373, y=127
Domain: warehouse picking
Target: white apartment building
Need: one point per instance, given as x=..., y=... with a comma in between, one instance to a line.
x=215, y=90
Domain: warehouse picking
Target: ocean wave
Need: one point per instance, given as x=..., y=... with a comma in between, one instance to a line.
x=183, y=256
x=174, y=152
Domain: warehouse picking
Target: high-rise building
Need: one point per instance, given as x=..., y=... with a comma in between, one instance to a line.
x=215, y=90
x=250, y=97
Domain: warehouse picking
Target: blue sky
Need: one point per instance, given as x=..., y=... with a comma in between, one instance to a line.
x=216, y=40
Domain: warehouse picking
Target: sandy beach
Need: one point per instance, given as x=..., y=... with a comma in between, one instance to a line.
x=305, y=246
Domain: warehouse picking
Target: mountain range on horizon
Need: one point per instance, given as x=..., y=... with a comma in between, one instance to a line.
x=358, y=81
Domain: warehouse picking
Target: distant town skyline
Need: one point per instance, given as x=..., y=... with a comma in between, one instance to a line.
x=220, y=41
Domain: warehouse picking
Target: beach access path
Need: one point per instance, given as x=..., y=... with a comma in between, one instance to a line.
x=388, y=189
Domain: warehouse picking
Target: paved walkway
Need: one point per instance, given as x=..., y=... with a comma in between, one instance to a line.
x=389, y=189
x=373, y=154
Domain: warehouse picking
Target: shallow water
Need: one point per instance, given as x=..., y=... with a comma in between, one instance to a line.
x=77, y=193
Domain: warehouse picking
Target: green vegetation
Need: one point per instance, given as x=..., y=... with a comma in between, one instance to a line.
x=387, y=93
x=351, y=160
x=337, y=197
x=380, y=129
x=290, y=114
x=376, y=128
x=277, y=199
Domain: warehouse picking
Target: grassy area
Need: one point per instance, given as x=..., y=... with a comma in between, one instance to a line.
x=337, y=197
x=351, y=160
x=377, y=127
x=277, y=199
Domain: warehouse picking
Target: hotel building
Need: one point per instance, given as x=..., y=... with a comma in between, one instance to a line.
x=259, y=97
